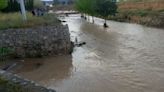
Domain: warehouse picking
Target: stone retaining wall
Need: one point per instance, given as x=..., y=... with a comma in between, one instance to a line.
x=35, y=42
x=26, y=85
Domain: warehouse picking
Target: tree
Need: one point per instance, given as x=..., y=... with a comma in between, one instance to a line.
x=101, y=8
x=86, y=7
x=3, y=4
x=105, y=8
x=29, y=4
x=91, y=6
x=14, y=6
x=81, y=5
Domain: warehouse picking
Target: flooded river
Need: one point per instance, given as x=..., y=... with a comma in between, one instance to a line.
x=122, y=58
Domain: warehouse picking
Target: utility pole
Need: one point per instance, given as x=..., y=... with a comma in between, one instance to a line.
x=23, y=10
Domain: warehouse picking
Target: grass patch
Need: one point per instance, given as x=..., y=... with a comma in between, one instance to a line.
x=14, y=20
x=5, y=53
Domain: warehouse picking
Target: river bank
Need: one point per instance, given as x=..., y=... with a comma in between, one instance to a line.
x=44, y=36
x=144, y=17
x=124, y=57
x=15, y=83
x=37, y=37
x=145, y=13
x=148, y=13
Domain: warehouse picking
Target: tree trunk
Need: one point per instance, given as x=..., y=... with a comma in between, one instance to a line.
x=88, y=18
x=105, y=24
x=85, y=17
x=93, y=20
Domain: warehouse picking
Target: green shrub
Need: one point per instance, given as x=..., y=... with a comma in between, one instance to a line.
x=3, y=4
x=5, y=52
x=6, y=86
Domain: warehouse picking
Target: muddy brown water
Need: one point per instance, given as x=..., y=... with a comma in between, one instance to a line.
x=122, y=58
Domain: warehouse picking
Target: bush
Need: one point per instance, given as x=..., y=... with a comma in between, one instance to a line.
x=3, y=4
x=5, y=53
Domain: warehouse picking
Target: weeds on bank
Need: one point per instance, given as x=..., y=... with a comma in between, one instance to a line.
x=4, y=53
x=6, y=86
x=14, y=20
